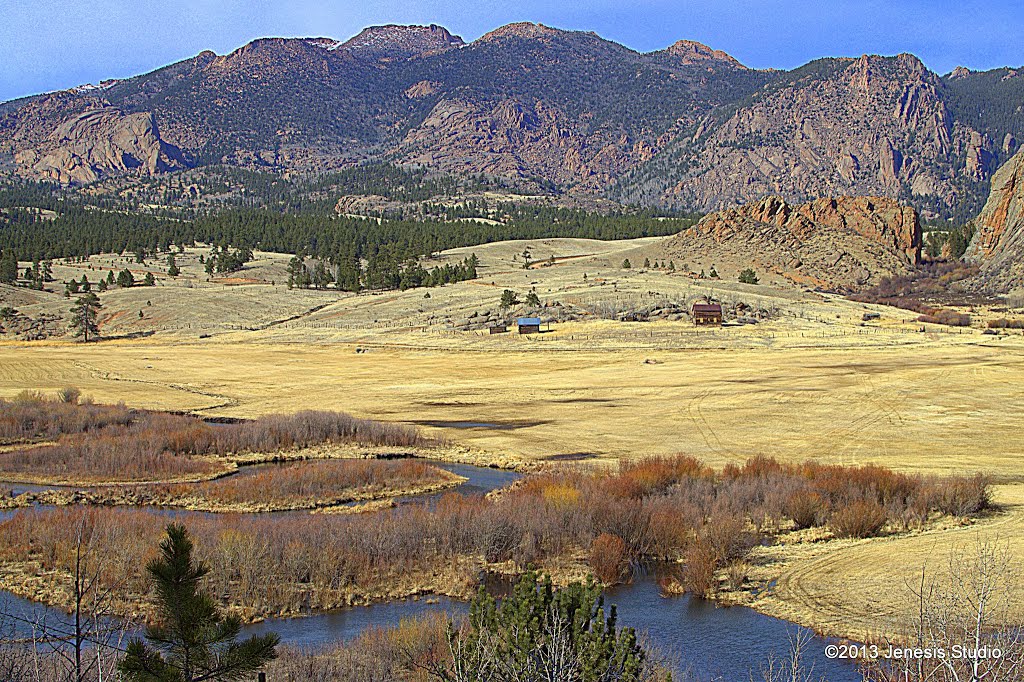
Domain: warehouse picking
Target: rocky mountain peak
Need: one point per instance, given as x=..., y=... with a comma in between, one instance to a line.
x=393, y=41
x=522, y=30
x=692, y=52
x=960, y=72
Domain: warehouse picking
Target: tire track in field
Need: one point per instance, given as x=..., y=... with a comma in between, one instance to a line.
x=822, y=592
x=106, y=375
x=695, y=412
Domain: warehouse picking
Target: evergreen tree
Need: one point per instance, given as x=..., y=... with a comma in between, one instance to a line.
x=172, y=266
x=298, y=273
x=192, y=640
x=85, y=284
x=125, y=279
x=626, y=265
x=539, y=633
x=110, y=278
x=84, y=316
x=8, y=267
x=509, y=298
x=533, y=300
x=149, y=280
x=321, y=277
x=34, y=275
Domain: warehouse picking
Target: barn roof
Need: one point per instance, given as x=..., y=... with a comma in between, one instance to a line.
x=707, y=308
x=528, y=321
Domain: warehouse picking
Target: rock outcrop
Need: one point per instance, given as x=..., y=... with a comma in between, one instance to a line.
x=99, y=143
x=873, y=125
x=690, y=52
x=841, y=243
x=401, y=42
x=998, y=243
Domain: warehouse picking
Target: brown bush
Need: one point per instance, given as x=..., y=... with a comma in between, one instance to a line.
x=401, y=653
x=656, y=474
x=1003, y=323
x=947, y=317
x=609, y=558
x=961, y=496
x=303, y=484
x=859, y=519
x=103, y=443
x=672, y=524
x=32, y=417
x=804, y=508
x=700, y=563
x=909, y=291
x=728, y=536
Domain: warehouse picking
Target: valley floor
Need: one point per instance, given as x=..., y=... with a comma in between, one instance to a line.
x=812, y=382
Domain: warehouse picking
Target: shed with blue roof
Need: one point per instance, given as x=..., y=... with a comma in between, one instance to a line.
x=528, y=325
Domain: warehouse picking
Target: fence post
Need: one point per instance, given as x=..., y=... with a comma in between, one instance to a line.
x=261, y=677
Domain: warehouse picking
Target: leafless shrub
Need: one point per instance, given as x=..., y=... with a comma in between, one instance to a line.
x=947, y=317
x=793, y=667
x=609, y=558
x=1003, y=323
x=267, y=564
x=804, y=507
x=377, y=655
x=860, y=519
x=69, y=394
x=114, y=443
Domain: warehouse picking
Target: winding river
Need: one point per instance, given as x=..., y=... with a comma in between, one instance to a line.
x=714, y=642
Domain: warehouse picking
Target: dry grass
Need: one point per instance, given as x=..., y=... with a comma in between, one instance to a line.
x=942, y=407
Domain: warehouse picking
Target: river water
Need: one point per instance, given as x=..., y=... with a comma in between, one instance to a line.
x=714, y=642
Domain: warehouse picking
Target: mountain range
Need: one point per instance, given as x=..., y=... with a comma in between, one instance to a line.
x=557, y=112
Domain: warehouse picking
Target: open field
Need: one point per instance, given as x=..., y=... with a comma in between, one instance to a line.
x=812, y=381
x=933, y=407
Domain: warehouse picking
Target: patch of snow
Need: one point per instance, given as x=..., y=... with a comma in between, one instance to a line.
x=93, y=87
x=326, y=43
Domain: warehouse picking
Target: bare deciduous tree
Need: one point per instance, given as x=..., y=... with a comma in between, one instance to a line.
x=966, y=617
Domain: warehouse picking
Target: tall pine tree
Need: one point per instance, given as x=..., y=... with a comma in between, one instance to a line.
x=8, y=267
x=84, y=316
x=192, y=640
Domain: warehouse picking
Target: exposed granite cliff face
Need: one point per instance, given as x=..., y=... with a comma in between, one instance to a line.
x=99, y=143
x=513, y=139
x=873, y=125
x=998, y=244
x=841, y=243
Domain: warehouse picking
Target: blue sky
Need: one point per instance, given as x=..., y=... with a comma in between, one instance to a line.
x=47, y=45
